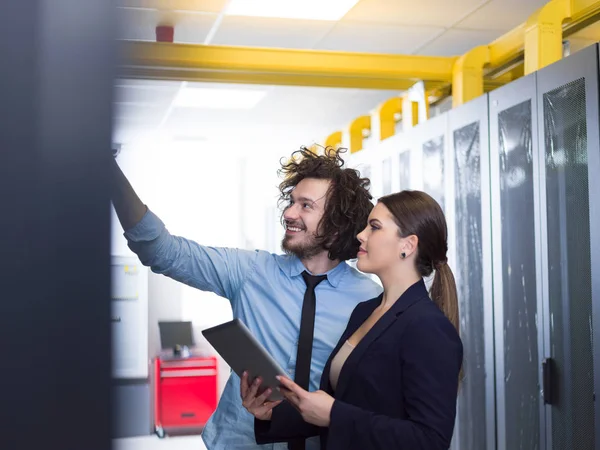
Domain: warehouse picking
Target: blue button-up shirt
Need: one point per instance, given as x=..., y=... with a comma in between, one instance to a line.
x=266, y=292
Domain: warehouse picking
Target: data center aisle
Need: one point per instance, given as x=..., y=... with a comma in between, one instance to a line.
x=154, y=443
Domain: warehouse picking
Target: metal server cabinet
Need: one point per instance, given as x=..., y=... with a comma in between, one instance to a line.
x=544, y=153
x=513, y=175
x=56, y=96
x=469, y=189
x=569, y=176
x=404, y=169
x=429, y=146
x=427, y=150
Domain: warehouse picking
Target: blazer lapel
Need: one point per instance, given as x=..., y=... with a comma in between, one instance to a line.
x=414, y=293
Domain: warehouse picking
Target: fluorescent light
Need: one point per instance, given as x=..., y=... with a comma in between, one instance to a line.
x=292, y=9
x=189, y=97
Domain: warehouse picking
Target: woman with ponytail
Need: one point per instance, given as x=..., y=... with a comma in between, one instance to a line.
x=392, y=380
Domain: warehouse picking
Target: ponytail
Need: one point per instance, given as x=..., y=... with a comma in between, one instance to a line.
x=444, y=295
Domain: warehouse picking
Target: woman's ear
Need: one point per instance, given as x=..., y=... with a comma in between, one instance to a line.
x=411, y=243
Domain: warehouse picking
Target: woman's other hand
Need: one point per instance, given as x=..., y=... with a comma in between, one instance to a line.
x=315, y=407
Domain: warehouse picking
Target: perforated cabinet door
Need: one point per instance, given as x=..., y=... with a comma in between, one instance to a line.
x=468, y=124
x=568, y=127
x=513, y=146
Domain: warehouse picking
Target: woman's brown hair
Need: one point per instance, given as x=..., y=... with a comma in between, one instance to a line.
x=417, y=213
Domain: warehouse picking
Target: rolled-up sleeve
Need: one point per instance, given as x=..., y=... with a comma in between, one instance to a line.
x=214, y=269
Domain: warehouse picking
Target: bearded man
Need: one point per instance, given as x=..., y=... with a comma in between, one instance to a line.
x=297, y=319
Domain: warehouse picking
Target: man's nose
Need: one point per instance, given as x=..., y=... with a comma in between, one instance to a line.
x=291, y=213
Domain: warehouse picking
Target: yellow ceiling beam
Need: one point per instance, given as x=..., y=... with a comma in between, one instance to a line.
x=412, y=107
x=508, y=46
x=356, y=132
x=418, y=94
x=505, y=77
x=334, y=140
x=314, y=149
x=467, y=79
x=410, y=112
x=486, y=67
x=280, y=66
x=165, y=61
x=539, y=39
x=281, y=79
x=582, y=10
x=544, y=35
x=388, y=112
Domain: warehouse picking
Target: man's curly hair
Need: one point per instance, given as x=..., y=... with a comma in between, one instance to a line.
x=348, y=201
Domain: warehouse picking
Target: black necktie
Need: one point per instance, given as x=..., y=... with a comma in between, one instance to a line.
x=305, y=341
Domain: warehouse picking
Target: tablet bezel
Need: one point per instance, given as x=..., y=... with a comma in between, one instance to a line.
x=242, y=351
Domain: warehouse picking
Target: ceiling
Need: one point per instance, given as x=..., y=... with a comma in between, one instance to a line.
x=300, y=114
x=425, y=27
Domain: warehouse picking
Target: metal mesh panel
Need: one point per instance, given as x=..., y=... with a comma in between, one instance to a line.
x=569, y=273
x=521, y=381
x=471, y=412
x=433, y=169
x=404, y=172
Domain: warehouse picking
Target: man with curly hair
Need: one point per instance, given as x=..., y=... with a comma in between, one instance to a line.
x=325, y=207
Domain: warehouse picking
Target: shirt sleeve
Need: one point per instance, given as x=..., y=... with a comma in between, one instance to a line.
x=214, y=269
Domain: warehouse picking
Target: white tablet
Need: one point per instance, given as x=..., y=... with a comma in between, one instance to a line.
x=240, y=349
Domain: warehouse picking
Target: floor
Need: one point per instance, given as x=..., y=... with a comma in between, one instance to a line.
x=154, y=443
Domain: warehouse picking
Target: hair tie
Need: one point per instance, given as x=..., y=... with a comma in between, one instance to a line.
x=438, y=265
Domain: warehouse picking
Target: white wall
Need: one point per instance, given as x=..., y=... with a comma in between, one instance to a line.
x=165, y=303
x=220, y=194
x=195, y=191
x=259, y=211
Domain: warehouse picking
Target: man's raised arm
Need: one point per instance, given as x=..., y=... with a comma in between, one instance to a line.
x=128, y=205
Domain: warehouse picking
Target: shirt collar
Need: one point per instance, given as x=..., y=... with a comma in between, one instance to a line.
x=292, y=266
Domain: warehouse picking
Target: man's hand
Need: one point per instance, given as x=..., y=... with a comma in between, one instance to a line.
x=259, y=406
x=315, y=407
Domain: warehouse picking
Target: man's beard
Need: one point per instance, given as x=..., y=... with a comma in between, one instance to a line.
x=303, y=250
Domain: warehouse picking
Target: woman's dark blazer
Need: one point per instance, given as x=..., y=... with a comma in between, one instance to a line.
x=396, y=390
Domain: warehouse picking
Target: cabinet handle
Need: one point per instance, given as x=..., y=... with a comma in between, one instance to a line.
x=186, y=364
x=115, y=319
x=188, y=373
x=547, y=371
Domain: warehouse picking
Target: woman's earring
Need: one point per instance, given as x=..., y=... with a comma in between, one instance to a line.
x=403, y=255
